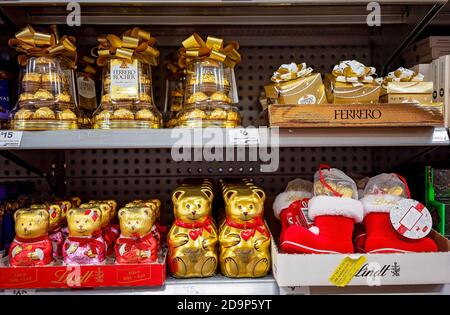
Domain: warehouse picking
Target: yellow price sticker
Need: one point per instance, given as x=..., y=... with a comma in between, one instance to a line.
x=346, y=270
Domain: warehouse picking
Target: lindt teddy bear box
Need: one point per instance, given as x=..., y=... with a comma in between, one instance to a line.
x=63, y=245
x=332, y=235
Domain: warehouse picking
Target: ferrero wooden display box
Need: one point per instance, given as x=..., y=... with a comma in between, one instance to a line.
x=356, y=115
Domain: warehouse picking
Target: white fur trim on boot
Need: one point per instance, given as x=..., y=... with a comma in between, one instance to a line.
x=338, y=206
x=284, y=200
x=379, y=203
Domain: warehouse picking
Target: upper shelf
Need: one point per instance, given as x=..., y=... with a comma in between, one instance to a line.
x=191, y=138
x=216, y=12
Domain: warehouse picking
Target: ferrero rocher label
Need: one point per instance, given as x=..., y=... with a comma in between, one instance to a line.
x=124, y=79
x=86, y=86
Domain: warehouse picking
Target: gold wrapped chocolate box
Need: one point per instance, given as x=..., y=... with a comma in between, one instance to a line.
x=244, y=237
x=296, y=84
x=210, y=95
x=127, y=98
x=352, y=83
x=406, y=86
x=46, y=97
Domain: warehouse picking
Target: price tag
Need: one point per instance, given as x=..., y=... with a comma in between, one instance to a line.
x=440, y=135
x=346, y=270
x=20, y=292
x=10, y=139
x=244, y=136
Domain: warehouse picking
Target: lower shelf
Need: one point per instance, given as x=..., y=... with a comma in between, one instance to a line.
x=218, y=285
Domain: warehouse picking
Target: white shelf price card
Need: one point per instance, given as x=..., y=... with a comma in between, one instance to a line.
x=10, y=139
x=244, y=136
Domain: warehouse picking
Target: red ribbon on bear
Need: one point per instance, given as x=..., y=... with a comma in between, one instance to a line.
x=196, y=227
x=91, y=241
x=249, y=228
x=139, y=242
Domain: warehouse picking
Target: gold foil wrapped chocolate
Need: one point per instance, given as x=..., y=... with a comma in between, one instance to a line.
x=127, y=100
x=244, y=237
x=406, y=86
x=351, y=82
x=296, y=84
x=47, y=87
x=193, y=237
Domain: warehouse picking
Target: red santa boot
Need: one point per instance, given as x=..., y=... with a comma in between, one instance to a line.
x=334, y=209
x=381, y=194
x=359, y=238
x=290, y=207
x=334, y=219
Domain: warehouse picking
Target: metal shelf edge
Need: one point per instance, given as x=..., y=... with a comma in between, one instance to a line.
x=195, y=138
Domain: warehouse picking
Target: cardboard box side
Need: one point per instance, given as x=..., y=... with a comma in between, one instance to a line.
x=391, y=269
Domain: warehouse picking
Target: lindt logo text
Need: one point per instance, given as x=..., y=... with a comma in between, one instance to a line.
x=374, y=272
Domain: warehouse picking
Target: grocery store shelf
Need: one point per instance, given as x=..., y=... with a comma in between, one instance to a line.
x=218, y=285
x=238, y=12
x=233, y=137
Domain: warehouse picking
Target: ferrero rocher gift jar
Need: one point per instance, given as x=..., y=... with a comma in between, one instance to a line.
x=127, y=99
x=244, y=237
x=193, y=237
x=87, y=96
x=405, y=86
x=46, y=98
x=175, y=83
x=351, y=82
x=209, y=100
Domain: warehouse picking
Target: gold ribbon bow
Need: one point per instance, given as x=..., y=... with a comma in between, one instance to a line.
x=171, y=64
x=28, y=42
x=403, y=75
x=87, y=64
x=292, y=71
x=352, y=71
x=195, y=47
x=134, y=43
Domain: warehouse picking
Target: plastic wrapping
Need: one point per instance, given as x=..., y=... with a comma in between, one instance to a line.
x=46, y=99
x=208, y=97
x=175, y=98
x=127, y=98
x=86, y=88
x=334, y=182
x=386, y=184
x=299, y=184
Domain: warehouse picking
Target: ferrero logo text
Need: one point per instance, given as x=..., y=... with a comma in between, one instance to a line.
x=124, y=74
x=352, y=114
